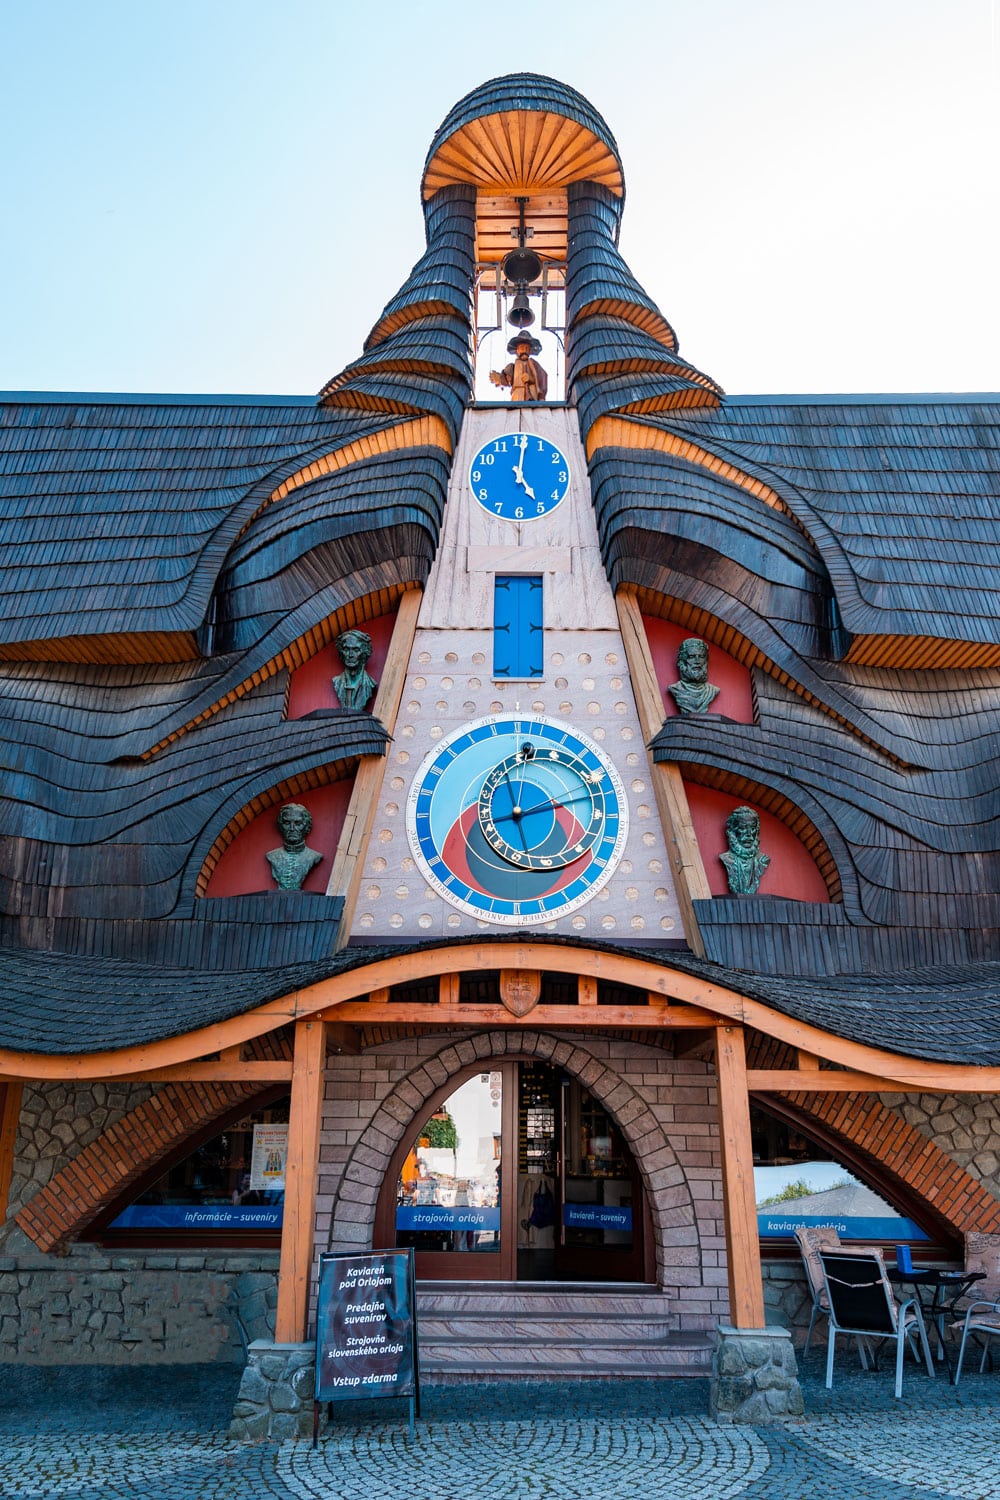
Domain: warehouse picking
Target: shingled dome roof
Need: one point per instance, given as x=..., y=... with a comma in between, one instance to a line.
x=519, y=133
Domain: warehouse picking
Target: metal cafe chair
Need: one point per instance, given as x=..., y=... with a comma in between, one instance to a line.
x=812, y=1240
x=982, y=1320
x=861, y=1303
x=982, y=1316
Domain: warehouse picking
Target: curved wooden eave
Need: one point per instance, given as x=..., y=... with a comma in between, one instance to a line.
x=645, y=318
x=386, y=367
x=392, y=322
x=623, y=432
x=745, y=788
x=522, y=151
x=721, y=633
x=659, y=982
x=130, y=649
x=926, y=653
x=639, y=366
x=672, y=401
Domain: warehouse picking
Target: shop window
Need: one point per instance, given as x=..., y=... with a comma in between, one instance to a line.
x=232, y=1183
x=798, y=1182
x=517, y=626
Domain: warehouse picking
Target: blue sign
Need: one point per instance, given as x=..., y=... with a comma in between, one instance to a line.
x=199, y=1216
x=781, y=1226
x=414, y=1216
x=596, y=1216
x=366, y=1336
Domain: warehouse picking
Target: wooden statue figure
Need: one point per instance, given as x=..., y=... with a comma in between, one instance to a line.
x=292, y=862
x=354, y=686
x=525, y=376
x=745, y=865
x=694, y=693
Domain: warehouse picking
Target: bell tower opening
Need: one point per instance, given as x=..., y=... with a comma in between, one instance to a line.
x=521, y=242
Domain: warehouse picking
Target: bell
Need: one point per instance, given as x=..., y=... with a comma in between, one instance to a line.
x=522, y=265
x=520, y=314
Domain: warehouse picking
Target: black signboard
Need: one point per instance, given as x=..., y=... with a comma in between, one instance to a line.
x=366, y=1329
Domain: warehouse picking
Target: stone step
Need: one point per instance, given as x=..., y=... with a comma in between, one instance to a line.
x=493, y=1326
x=524, y=1330
x=684, y=1356
x=512, y=1299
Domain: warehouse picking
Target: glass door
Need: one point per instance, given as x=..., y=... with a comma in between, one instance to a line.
x=517, y=1174
x=451, y=1203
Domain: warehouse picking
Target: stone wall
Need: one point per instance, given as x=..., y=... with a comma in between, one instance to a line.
x=137, y=1307
x=665, y=1108
x=95, y=1306
x=58, y=1120
x=966, y=1126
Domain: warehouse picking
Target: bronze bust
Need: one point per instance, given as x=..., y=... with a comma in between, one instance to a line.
x=292, y=862
x=745, y=864
x=694, y=693
x=354, y=686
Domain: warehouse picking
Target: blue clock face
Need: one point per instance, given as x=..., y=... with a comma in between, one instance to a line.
x=517, y=820
x=519, y=476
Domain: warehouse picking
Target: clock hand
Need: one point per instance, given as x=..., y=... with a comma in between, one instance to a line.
x=519, y=476
x=543, y=806
x=516, y=812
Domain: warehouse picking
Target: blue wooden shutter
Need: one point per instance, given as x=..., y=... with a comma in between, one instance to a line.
x=517, y=626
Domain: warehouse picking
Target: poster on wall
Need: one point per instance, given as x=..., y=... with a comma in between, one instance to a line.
x=267, y=1158
x=366, y=1329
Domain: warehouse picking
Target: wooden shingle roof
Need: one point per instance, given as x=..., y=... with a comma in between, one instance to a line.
x=901, y=498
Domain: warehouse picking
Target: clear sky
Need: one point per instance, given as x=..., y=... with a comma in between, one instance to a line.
x=221, y=195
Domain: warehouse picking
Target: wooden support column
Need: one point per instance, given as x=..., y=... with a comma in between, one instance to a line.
x=10, y=1114
x=690, y=879
x=301, y=1167
x=348, y=866
x=746, y=1288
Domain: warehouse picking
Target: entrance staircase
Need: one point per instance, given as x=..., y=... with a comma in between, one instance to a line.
x=503, y=1330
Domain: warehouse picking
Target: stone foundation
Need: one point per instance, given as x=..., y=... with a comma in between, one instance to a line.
x=754, y=1376
x=135, y=1307
x=275, y=1398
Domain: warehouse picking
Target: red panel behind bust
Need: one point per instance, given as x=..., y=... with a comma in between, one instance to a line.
x=792, y=873
x=733, y=680
x=312, y=683
x=243, y=869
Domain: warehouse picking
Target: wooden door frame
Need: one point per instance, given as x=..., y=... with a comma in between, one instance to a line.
x=488, y=1267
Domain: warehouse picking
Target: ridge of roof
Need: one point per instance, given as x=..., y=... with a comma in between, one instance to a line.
x=850, y=398
x=144, y=398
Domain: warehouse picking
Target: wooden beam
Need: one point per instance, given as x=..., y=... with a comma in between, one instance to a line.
x=690, y=878
x=298, y=1227
x=275, y=1070
x=821, y=1081
x=694, y=1001
x=449, y=989
x=10, y=1114
x=348, y=864
x=362, y=1012
x=746, y=1287
x=586, y=990
x=807, y=1060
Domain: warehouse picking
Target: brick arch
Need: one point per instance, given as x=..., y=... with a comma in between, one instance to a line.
x=129, y=1150
x=675, y=1224
x=901, y=1155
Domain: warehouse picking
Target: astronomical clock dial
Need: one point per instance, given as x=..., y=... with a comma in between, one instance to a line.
x=519, y=476
x=517, y=820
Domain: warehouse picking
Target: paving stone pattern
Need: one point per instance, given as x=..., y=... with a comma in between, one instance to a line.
x=101, y=1434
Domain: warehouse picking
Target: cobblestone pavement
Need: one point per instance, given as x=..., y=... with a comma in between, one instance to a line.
x=159, y=1434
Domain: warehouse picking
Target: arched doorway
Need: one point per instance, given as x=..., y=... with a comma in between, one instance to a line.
x=517, y=1173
